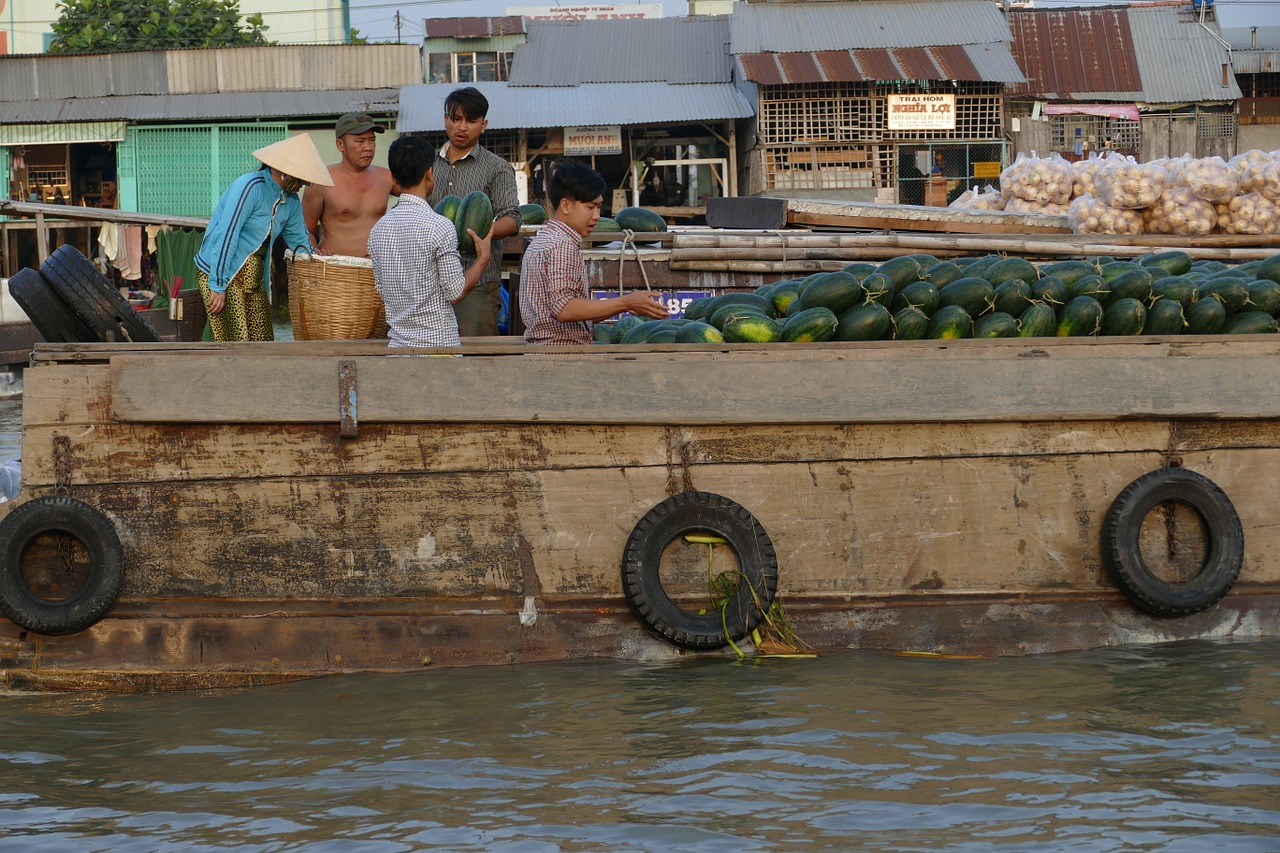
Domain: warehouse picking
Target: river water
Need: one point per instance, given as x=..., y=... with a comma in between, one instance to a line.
x=1169, y=748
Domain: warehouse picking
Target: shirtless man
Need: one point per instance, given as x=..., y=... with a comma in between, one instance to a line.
x=340, y=217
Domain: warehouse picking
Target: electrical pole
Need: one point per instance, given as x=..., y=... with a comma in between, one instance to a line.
x=397, y=26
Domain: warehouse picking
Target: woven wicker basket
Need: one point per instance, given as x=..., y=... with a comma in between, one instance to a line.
x=333, y=298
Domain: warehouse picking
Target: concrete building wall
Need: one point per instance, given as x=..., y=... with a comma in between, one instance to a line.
x=1264, y=137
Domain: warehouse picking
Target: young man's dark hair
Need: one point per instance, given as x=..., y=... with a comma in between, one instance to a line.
x=469, y=101
x=575, y=181
x=409, y=158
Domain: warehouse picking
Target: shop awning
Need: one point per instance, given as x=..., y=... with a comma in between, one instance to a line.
x=972, y=62
x=45, y=134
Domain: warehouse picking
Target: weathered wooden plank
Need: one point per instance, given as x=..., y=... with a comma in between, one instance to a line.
x=842, y=388
x=840, y=528
x=141, y=453
x=69, y=394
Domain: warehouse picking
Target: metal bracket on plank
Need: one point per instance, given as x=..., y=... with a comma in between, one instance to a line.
x=348, y=419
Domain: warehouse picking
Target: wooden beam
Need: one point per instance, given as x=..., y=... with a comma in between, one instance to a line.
x=42, y=239
x=98, y=214
x=710, y=384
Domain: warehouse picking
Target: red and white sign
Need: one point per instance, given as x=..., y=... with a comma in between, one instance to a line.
x=922, y=112
x=603, y=139
x=587, y=13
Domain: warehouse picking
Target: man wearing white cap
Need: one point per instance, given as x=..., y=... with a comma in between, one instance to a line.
x=233, y=266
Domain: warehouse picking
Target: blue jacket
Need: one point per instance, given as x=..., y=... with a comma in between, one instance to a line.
x=239, y=225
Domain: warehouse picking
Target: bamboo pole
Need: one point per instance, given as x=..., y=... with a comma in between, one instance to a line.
x=829, y=249
x=734, y=239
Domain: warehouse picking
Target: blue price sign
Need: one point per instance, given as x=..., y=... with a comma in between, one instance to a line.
x=676, y=301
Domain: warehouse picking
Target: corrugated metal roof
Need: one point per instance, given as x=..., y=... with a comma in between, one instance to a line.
x=43, y=134
x=239, y=69
x=1252, y=38
x=473, y=28
x=646, y=50
x=1255, y=61
x=422, y=107
x=253, y=105
x=1181, y=61
x=1156, y=54
x=804, y=27
x=987, y=62
x=1067, y=52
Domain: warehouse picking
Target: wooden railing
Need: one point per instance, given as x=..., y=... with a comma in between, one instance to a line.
x=54, y=215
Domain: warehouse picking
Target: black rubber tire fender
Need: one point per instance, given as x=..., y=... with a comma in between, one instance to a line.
x=59, y=514
x=93, y=299
x=705, y=512
x=1122, y=555
x=50, y=315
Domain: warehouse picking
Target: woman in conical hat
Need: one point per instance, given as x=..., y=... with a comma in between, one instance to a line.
x=233, y=266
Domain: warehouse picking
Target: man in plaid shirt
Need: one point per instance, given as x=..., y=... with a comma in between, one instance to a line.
x=462, y=166
x=554, y=302
x=416, y=266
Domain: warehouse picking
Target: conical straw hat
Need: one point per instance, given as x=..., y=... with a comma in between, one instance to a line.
x=297, y=156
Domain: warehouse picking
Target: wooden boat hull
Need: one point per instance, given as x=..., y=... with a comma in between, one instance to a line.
x=294, y=510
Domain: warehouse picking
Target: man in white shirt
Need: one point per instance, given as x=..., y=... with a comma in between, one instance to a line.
x=416, y=265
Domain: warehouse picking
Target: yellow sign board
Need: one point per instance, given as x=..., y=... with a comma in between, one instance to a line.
x=989, y=169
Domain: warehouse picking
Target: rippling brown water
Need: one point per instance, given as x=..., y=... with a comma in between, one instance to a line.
x=1173, y=748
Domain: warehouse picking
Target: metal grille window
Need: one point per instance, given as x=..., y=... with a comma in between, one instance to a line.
x=183, y=171
x=962, y=165
x=1094, y=133
x=1215, y=125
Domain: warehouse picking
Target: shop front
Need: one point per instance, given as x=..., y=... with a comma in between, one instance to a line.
x=72, y=164
x=668, y=148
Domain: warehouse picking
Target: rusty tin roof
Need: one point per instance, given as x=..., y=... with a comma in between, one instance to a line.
x=474, y=28
x=1156, y=53
x=942, y=62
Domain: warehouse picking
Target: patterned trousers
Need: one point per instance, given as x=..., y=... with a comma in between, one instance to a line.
x=246, y=313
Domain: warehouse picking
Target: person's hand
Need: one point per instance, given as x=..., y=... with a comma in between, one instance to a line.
x=646, y=304
x=216, y=301
x=481, y=243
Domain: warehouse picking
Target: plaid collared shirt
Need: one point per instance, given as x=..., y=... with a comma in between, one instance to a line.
x=552, y=273
x=480, y=171
x=418, y=273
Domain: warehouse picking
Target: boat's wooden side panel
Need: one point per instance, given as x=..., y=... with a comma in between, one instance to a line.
x=852, y=527
x=919, y=495
x=935, y=386
x=148, y=453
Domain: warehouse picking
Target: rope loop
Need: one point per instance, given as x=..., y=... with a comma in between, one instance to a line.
x=629, y=239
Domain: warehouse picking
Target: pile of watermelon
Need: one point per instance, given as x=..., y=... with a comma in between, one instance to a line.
x=474, y=211
x=917, y=297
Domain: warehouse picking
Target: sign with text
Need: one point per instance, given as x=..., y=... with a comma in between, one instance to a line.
x=600, y=12
x=922, y=112
x=602, y=139
x=676, y=300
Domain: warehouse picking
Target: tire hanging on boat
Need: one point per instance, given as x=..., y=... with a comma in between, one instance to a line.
x=50, y=315
x=58, y=514
x=699, y=512
x=1122, y=553
x=93, y=299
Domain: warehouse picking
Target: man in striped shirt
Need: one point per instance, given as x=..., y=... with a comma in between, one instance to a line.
x=462, y=166
x=554, y=301
x=416, y=266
